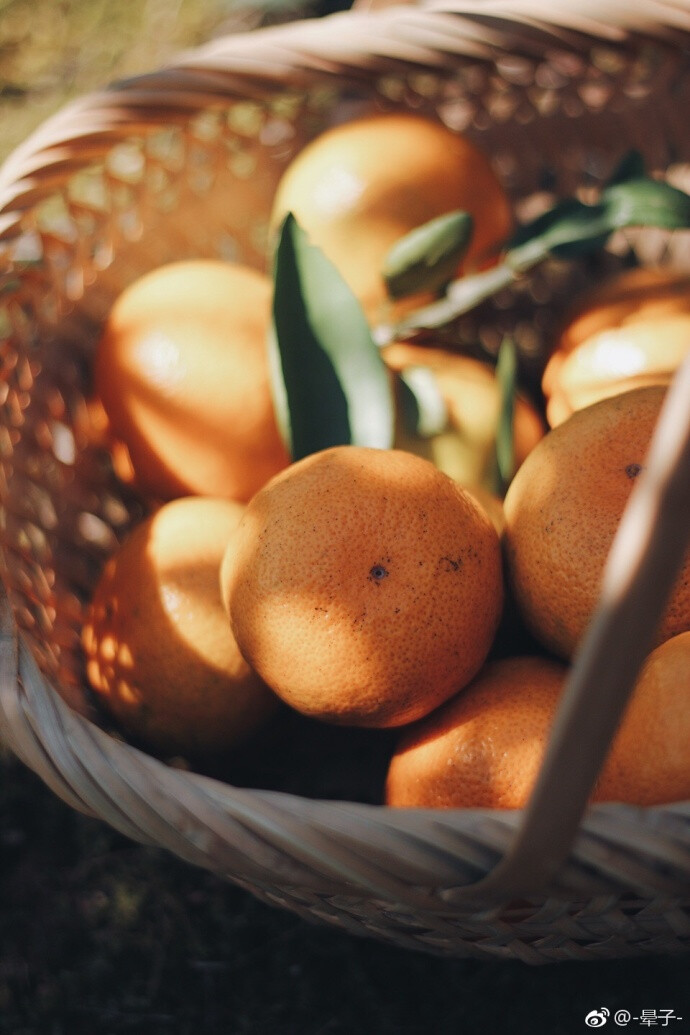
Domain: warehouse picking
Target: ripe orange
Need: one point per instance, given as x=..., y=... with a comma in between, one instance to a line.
x=632, y=331
x=182, y=371
x=649, y=761
x=562, y=510
x=159, y=653
x=484, y=748
x=364, y=586
x=466, y=449
x=360, y=186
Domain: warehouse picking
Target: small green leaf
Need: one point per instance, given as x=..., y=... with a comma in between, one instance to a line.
x=423, y=408
x=330, y=384
x=427, y=258
x=506, y=375
x=571, y=226
x=569, y=229
x=646, y=202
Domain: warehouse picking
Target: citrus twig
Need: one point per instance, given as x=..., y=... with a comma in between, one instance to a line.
x=569, y=229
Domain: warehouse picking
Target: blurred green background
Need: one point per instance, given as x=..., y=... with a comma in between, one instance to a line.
x=54, y=50
x=99, y=934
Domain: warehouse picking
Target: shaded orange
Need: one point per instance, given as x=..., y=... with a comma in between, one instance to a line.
x=484, y=748
x=364, y=586
x=491, y=503
x=159, y=653
x=562, y=511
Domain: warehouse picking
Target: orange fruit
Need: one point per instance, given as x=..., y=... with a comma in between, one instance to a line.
x=484, y=748
x=182, y=372
x=562, y=511
x=632, y=331
x=648, y=763
x=360, y=186
x=466, y=448
x=159, y=653
x=364, y=586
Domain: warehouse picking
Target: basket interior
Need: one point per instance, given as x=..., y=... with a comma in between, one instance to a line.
x=201, y=185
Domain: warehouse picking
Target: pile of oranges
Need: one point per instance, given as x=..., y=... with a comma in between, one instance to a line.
x=371, y=587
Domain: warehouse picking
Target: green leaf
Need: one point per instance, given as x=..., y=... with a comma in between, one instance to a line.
x=506, y=375
x=423, y=408
x=569, y=229
x=646, y=202
x=427, y=258
x=330, y=384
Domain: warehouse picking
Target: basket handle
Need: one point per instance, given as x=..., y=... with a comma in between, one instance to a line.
x=642, y=566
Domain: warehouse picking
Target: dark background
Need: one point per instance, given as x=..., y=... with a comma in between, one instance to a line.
x=99, y=935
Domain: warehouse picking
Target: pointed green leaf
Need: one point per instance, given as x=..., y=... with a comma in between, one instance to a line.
x=423, y=408
x=330, y=384
x=571, y=226
x=427, y=258
x=646, y=202
x=506, y=375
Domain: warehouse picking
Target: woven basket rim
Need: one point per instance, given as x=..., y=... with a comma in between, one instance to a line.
x=428, y=838
x=358, y=43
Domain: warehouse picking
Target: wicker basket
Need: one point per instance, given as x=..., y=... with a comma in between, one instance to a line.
x=183, y=162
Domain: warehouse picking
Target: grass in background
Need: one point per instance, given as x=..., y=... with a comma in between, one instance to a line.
x=54, y=50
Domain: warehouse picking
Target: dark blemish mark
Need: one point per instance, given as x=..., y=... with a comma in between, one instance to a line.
x=396, y=610
x=632, y=470
x=449, y=564
x=378, y=573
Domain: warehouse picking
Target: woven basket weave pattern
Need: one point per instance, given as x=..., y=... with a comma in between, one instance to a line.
x=184, y=162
